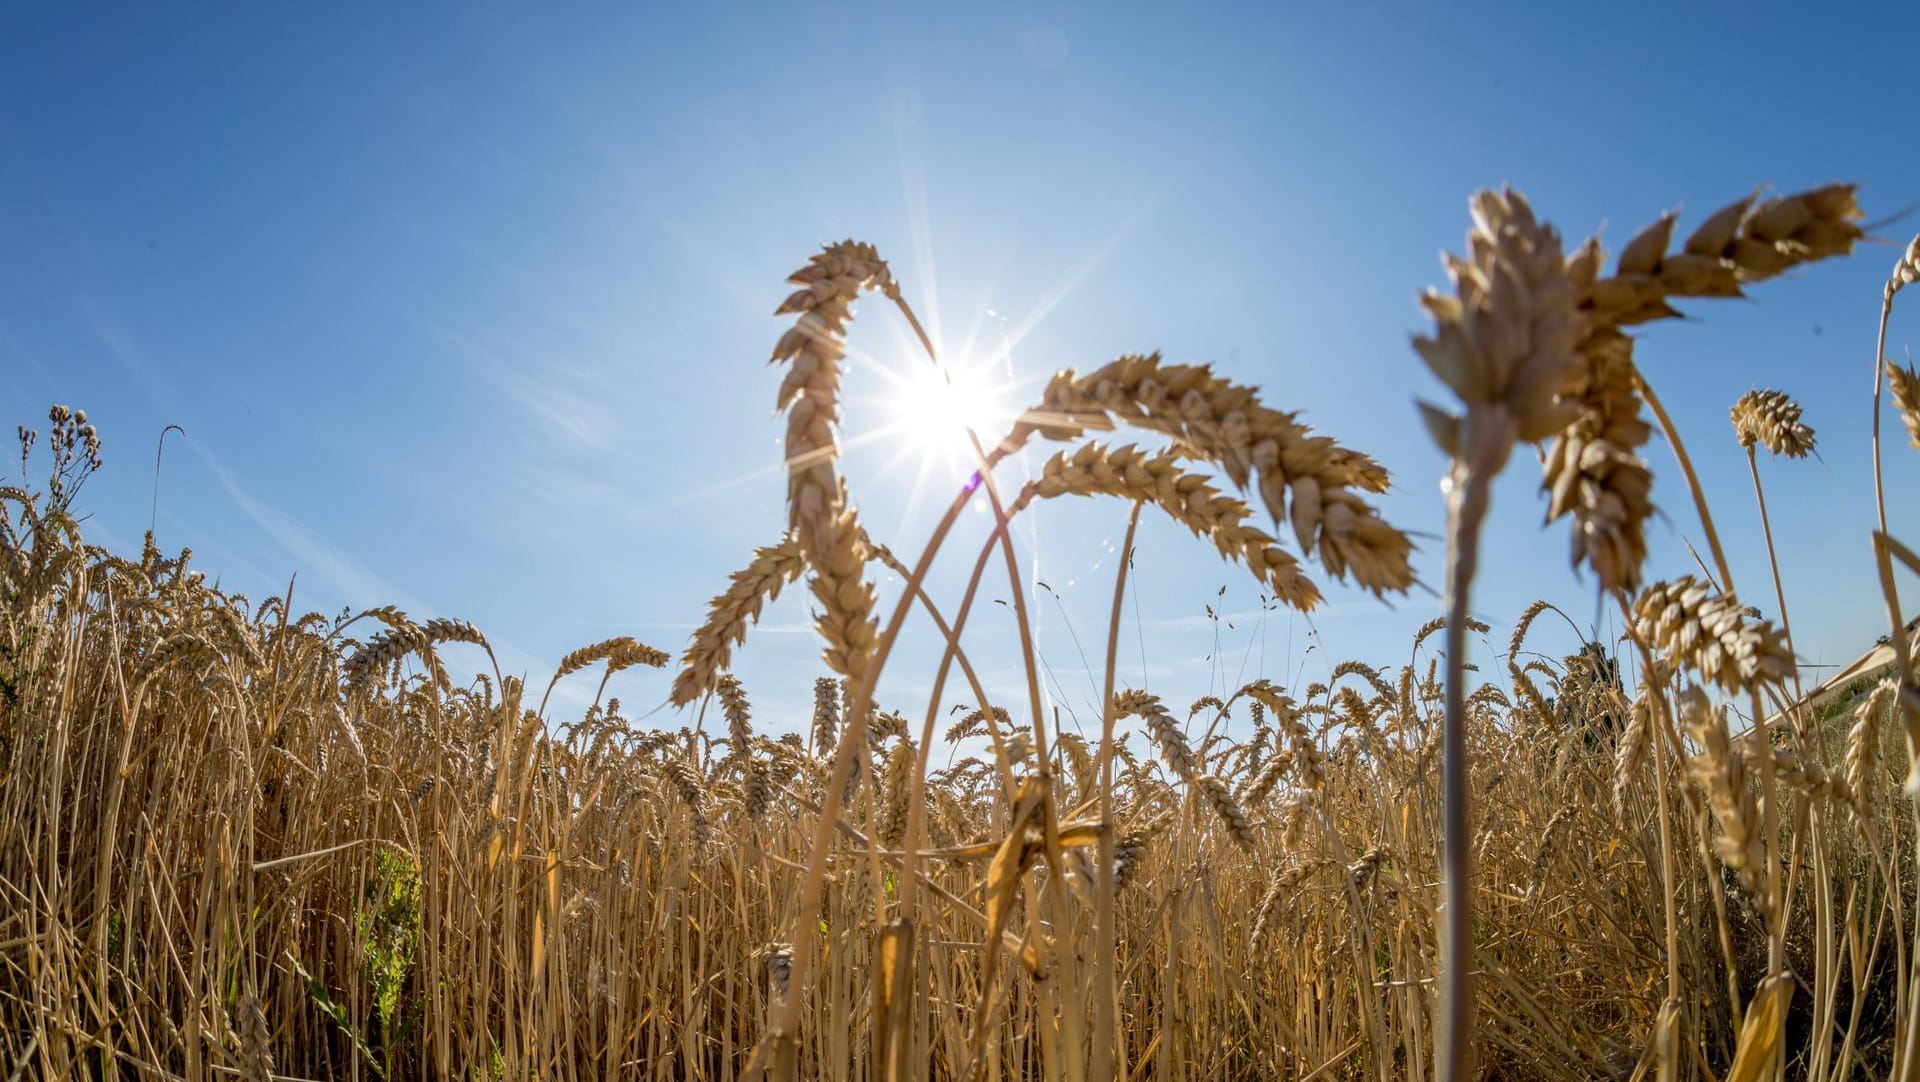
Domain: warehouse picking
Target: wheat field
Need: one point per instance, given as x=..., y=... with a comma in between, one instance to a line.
x=241, y=842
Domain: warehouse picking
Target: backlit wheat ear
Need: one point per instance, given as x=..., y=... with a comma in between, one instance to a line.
x=1304, y=479
x=1165, y=731
x=1132, y=474
x=1906, y=271
x=1710, y=634
x=730, y=614
x=845, y=618
x=810, y=393
x=1772, y=420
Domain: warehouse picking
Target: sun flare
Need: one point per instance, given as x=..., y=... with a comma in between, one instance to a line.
x=934, y=409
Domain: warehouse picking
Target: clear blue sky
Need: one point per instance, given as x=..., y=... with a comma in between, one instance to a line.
x=467, y=307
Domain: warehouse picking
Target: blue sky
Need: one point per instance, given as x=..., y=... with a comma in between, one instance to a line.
x=467, y=308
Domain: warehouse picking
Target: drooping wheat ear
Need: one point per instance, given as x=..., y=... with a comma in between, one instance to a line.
x=826, y=714
x=450, y=629
x=381, y=651
x=622, y=648
x=1905, y=384
x=730, y=614
x=896, y=788
x=810, y=393
x=1165, y=732
x=1710, y=633
x=1220, y=798
x=739, y=714
x=1808, y=778
x=174, y=648
x=686, y=781
x=1521, y=627
x=1189, y=498
x=779, y=969
x=1772, y=420
x=1863, y=746
x=1721, y=773
x=839, y=583
x=973, y=723
x=1631, y=753
x=1302, y=478
x=256, y=1041
x=619, y=652
x=1593, y=471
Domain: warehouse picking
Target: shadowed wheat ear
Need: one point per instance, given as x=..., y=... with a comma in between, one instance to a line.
x=404, y=637
x=1772, y=420
x=1504, y=344
x=1593, y=470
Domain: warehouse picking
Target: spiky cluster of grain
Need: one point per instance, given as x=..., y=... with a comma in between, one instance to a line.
x=1904, y=381
x=1504, y=343
x=830, y=283
x=1306, y=480
x=1594, y=472
x=1772, y=420
x=730, y=614
x=1721, y=773
x=1711, y=634
x=1190, y=498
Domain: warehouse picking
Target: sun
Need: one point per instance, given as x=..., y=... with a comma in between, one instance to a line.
x=933, y=409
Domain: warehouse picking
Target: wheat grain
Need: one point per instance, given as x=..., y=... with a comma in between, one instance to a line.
x=1710, y=634
x=731, y=613
x=1772, y=420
